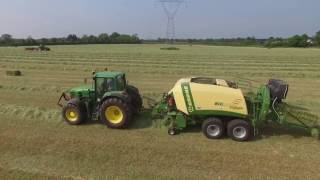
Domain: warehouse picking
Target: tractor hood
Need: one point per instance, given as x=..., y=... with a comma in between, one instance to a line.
x=85, y=88
x=81, y=91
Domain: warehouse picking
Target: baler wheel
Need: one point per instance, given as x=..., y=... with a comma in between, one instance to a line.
x=213, y=128
x=239, y=130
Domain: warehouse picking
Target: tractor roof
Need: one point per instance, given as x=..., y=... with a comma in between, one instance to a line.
x=108, y=74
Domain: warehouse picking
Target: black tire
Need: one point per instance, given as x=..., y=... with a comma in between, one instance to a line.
x=213, y=128
x=136, y=100
x=239, y=130
x=173, y=131
x=74, y=114
x=121, y=107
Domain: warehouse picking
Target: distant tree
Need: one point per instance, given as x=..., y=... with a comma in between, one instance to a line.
x=114, y=37
x=85, y=39
x=44, y=41
x=298, y=41
x=72, y=38
x=275, y=42
x=53, y=41
x=304, y=41
x=92, y=39
x=317, y=38
x=6, y=39
x=104, y=38
x=135, y=39
x=30, y=41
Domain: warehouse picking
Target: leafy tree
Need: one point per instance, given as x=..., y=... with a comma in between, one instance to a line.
x=44, y=41
x=6, y=39
x=114, y=37
x=104, y=38
x=92, y=39
x=298, y=41
x=85, y=39
x=30, y=41
x=317, y=38
x=72, y=38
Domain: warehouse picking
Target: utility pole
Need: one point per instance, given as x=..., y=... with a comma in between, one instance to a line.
x=171, y=8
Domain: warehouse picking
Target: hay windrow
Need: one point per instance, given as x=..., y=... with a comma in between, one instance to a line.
x=32, y=113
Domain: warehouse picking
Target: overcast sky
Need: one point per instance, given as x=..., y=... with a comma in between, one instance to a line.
x=199, y=19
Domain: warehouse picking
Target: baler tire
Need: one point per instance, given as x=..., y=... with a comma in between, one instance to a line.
x=74, y=114
x=210, y=133
x=116, y=106
x=243, y=127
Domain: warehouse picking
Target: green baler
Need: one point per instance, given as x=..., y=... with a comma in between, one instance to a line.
x=221, y=107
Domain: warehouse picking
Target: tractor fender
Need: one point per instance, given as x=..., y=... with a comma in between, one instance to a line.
x=119, y=96
x=74, y=102
x=77, y=102
x=80, y=104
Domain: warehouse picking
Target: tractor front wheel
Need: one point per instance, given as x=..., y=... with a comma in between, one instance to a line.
x=73, y=114
x=213, y=128
x=239, y=130
x=115, y=113
x=173, y=131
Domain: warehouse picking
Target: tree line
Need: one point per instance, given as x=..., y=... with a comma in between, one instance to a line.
x=116, y=38
x=104, y=38
x=294, y=41
x=301, y=41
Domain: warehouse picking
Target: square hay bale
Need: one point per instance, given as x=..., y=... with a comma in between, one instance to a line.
x=170, y=48
x=14, y=73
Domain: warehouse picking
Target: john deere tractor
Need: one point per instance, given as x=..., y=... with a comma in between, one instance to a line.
x=222, y=108
x=109, y=99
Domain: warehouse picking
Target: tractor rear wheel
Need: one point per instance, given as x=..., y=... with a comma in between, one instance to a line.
x=136, y=100
x=115, y=113
x=213, y=128
x=74, y=114
x=239, y=130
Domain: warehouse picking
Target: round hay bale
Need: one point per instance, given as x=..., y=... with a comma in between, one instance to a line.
x=14, y=73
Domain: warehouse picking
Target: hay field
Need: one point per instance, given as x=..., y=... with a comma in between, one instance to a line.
x=36, y=144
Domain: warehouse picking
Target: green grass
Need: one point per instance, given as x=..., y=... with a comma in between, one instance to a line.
x=36, y=144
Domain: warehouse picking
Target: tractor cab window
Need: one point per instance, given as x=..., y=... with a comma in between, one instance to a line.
x=104, y=85
x=121, y=82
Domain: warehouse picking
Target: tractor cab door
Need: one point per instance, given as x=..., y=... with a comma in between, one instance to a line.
x=121, y=82
x=103, y=85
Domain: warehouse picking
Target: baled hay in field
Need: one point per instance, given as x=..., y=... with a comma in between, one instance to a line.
x=14, y=73
x=170, y=48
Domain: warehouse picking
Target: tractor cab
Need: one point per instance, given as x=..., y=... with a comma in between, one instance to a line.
x=105, y=82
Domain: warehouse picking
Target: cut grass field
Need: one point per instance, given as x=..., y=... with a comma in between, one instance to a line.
x=36, y=144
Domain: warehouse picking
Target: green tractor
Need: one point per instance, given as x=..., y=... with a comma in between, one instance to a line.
x=109, y=99
x=222, y=108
